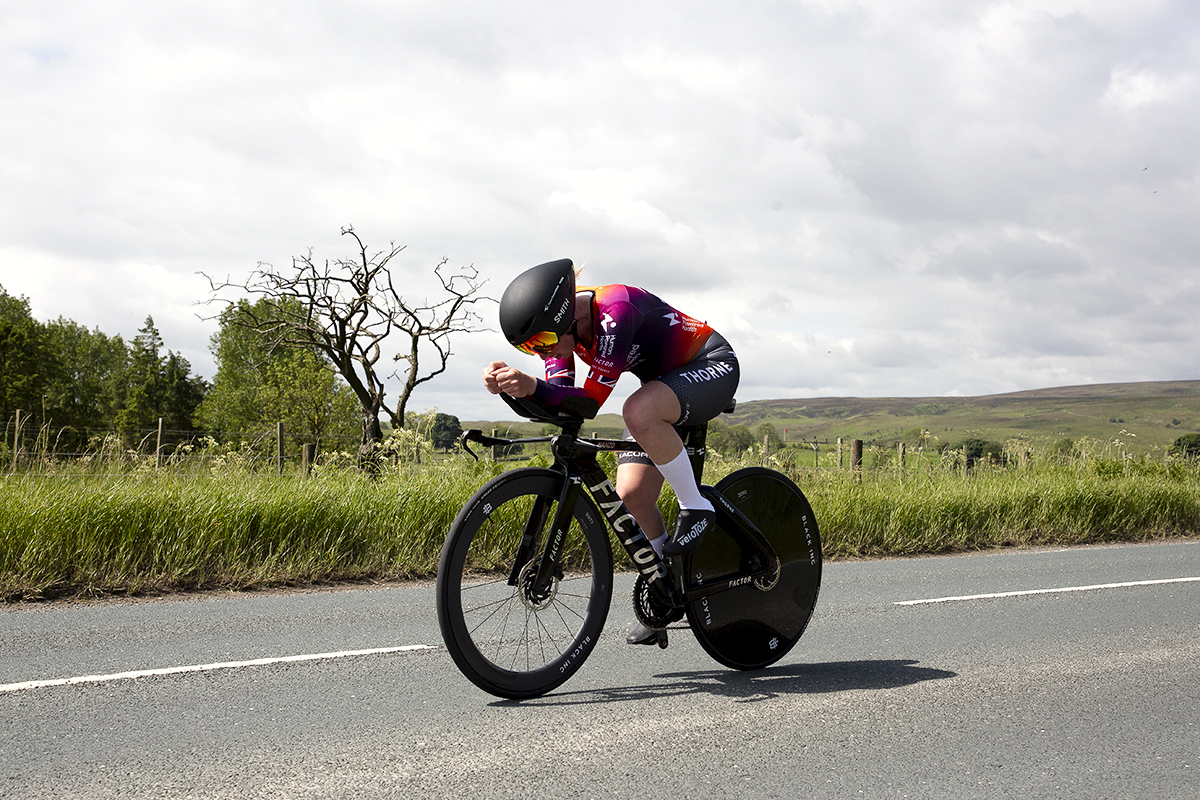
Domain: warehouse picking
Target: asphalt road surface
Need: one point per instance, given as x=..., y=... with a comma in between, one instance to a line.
x=1089, y=693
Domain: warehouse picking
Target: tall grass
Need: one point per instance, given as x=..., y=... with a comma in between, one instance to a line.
x=147, y=531
x=991, y=509
x=137, y=533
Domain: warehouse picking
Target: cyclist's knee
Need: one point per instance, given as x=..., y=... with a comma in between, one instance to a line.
x=651, y=406
x=634, y=412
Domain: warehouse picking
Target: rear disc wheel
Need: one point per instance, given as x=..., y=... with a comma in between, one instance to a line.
x=756, y=624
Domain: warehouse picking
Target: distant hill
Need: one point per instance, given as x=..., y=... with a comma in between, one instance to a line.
x=1155, y=413
x=605, y=426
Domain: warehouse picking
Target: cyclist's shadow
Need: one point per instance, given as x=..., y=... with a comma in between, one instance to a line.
x=757, y=685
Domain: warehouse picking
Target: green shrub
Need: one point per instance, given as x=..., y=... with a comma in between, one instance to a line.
x=1187, y=446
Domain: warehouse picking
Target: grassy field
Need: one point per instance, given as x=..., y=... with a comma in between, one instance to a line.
x=145, y=531
x=1145, y=418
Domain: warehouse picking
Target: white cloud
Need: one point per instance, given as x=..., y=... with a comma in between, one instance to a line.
x=918, y=197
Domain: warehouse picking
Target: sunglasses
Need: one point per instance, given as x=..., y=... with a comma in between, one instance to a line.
x=540, y=344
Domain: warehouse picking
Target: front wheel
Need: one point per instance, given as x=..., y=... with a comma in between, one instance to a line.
x=755, y=624
x=509, y=636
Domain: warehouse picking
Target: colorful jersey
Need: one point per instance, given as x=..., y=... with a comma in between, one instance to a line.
x=632, y=331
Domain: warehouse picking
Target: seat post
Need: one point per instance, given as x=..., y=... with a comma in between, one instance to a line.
x=695, y=438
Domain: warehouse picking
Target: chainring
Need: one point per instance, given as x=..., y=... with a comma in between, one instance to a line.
x=649, y=610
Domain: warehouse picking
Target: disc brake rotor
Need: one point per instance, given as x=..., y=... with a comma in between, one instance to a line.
x=533, y=599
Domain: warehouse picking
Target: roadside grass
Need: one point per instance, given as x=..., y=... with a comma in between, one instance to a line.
x=132, y=534
x=1000, y=508
x=144, y=531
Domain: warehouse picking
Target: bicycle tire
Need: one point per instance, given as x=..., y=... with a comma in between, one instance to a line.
x=749, y=627
x=504, y=642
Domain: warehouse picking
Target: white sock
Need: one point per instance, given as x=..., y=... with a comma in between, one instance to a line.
x=658, y=543
x=678, y=473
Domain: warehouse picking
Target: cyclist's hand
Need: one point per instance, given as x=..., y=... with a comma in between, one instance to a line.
x=515, y=383
x=489, y=376
x=499, y=377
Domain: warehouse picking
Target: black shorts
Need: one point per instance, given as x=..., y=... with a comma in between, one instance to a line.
x=704, y=386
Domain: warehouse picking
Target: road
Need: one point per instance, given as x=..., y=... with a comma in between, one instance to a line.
x=1067, y=694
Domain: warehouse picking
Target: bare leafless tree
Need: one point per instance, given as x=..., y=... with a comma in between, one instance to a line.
x=346, y=309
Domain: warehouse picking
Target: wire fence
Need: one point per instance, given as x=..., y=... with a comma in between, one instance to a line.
x=29, y=446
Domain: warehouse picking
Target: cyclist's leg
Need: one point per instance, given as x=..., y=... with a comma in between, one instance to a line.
x=650, y=414
x=639, y=484
x=692, y=394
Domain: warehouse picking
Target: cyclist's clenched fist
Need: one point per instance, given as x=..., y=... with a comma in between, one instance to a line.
x=500, y=377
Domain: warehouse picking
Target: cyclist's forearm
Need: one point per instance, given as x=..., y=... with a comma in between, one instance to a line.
x=553, y=394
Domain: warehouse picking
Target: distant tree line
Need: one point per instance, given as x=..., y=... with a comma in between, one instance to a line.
x=730, y=439
x=309, y=352
x=63, y=374
x=340, y=312
x=76, y=380
x=82, y=382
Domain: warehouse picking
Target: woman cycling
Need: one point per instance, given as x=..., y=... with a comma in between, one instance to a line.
x=688, y=371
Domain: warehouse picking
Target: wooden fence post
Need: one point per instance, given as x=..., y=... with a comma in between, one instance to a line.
x=16, y=441
x=279, y=446
x=856, y=459
x=158, y=446
x=839, y=452
x=308, y=457
x=495, y=449
x=900, y=457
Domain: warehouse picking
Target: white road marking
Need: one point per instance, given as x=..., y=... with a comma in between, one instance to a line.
x=1044, y=591
x=256, y=662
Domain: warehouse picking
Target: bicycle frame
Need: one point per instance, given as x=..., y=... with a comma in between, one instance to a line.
x=575, y=458
x=748, y=592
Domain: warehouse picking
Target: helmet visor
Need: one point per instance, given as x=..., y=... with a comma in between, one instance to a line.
x=539, y=344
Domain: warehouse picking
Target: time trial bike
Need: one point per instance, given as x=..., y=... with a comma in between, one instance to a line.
x=526, y=573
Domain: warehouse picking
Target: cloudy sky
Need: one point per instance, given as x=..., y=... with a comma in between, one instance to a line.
x=868, y=197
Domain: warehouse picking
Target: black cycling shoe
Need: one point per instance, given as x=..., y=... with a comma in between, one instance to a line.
x=689, y=530
x=644, y=634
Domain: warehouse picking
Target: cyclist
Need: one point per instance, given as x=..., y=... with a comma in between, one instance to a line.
x=688, y=371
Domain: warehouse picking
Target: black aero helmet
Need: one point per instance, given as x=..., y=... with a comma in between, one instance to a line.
x=539, y=300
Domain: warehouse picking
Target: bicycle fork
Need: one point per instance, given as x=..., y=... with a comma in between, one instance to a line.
x=628, y=532
x=548, y=567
